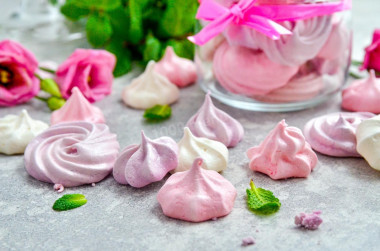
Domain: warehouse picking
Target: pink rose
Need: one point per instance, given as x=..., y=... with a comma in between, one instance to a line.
x=17, y=67
x=372, y=55
x=90, y=71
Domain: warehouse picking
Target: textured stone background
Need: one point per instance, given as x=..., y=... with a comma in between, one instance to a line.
x=119, y=217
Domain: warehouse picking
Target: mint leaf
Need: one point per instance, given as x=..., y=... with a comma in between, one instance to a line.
x=50, y=86
x=69, y=201
x=152, y=49
x=73, y=11
x=123, y=57
x=119, y=18
x=55, y=103
x=179, y=17
x=101, y=5
x=136, y=32
x=158, y=112
x=183, y=48
x=262, y=201
x=98, y=29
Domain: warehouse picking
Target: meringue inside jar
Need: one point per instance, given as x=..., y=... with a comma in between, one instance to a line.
x=243, y=68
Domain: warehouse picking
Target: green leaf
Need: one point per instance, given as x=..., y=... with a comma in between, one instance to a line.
x=183, y=48
x=50, y=86
x=152, y=49
x=120, y=24
x=98, y=29
x=123, y=57
x=158, y=112
x=262, y=201
x=69, y=201
x=55, y=103
x=136, y=32
x=73, y=11
x=179, y=17
x=101, y=5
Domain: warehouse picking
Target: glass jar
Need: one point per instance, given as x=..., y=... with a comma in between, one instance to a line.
x=242, y=67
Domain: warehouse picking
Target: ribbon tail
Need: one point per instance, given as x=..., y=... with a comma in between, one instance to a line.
x=211, y=30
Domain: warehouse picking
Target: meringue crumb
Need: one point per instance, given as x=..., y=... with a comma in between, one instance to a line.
x=248, y=241
x=215, y=218
x=59, y=188
x=309, y=221
x=93, y=184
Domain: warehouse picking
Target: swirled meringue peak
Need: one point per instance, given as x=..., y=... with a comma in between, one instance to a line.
x=140, y=165
x=213, y=123
x=335, y=134
x=283, y=154
x=197, y=195
x=368, y=144
x=249, y=72
x=213, y=153
x=363, y=95
x=299, y=88
x=77, y=108
x=16, y=131
x=72, y=154
x=150, y=89
x=180, y=71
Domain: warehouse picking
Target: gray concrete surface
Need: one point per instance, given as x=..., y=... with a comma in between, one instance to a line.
x=119, y=217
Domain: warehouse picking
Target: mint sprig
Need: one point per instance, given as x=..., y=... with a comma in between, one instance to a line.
x=262, y=201
x=69, y=201
x=158, y=113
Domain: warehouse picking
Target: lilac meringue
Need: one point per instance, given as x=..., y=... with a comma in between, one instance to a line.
x=150, y=89
x=214, y=153
x=213, y=123
x=335, y=134
x=197, y=195
x=180, y=71
x=77, y=108
x=72, y=154
x=140, y=165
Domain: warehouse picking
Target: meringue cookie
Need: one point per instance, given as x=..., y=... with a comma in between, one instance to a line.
x=245, y=71
x=72, y=154
x=180, y=71
x=214, y=153
x=368, y=144
x=17, y=131
x=150, y=89
x=283, y=154
x=213, y=123
x=140, y=165
x=363, y=95
x=335, y=134
x=77, y=108
x=299, y=88
x=197, y=195
x=306, y=41
x=207, y=51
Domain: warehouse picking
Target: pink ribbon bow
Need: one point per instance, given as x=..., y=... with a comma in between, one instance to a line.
x=261, y=18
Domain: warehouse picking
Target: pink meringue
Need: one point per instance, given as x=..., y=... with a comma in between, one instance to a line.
x=72, y=154
x=363, y=95
x=180, y=71
x=140, y=165
x=213, y=123
x=283, y=154
x=335, y=134
x=245, y=71
x=77, y=108
x=197, y=195
x=299, y=88
x=307, y=39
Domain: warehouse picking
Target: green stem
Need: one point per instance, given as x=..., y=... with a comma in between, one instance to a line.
x=38, y=76
x=356, y=63
x=41, y=99
x=46, y=69
x=354, y=75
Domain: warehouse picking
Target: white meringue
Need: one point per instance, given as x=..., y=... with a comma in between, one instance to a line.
x=150, y=89
x=17, y=131
x=213, y=123
x=368, y=143
x=214, y=153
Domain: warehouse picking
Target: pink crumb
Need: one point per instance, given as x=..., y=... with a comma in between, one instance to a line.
x=214, y=219
x=309, y=221
x=93, y=184
x=59, y=188
x=248, y=241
